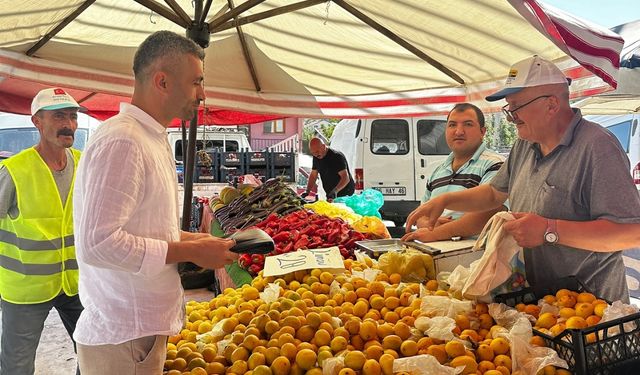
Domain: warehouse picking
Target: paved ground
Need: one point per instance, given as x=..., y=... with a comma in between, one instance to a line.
x=55, y=354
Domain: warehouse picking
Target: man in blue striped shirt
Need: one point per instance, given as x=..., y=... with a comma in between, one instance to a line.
x=469, y=165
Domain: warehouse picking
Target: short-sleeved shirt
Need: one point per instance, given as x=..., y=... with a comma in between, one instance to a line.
x=8, y=201
x=480, y=169
x=586, y=177
x=328, y=169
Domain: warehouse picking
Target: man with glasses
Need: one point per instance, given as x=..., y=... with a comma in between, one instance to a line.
x=568, y=184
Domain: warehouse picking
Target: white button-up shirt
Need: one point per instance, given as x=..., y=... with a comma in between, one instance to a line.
x=125, y=213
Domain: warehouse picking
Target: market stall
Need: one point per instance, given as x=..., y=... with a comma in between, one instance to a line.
x=358, y=319
x=337, y=296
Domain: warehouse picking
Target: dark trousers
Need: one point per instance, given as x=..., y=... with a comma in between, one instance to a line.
x=22, y=327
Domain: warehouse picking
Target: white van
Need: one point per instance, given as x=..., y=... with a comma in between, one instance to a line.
x=17, y=133
x=394, y=156
x=627, y=130
x=210, y=139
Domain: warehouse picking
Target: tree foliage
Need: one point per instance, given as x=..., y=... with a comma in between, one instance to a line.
x=314, y=126
x=501, y=135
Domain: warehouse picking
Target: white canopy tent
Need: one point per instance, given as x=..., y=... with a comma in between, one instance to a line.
x=626, y=98
x=313, y=58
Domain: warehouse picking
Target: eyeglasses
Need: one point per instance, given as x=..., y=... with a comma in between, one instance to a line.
x=511, y=113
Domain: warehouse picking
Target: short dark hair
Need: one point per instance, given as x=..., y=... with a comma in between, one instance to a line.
x=165, y=45
x=461, y=107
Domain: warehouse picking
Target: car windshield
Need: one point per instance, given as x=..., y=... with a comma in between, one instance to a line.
x=17, y=139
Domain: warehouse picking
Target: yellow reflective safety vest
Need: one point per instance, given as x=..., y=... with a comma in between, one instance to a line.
x=37, y=253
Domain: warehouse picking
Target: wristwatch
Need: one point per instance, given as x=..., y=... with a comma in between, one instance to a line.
x=551, y=235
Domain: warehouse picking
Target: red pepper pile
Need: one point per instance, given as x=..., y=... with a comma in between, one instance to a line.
x=253, y=263
x=305, y=230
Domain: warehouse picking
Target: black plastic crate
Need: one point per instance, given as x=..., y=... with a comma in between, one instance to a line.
x=607, y=354
x=287, y=174
x=259, y=172
x=256, y=159
x=229, y=174
x=232, y=159
x=283, y=159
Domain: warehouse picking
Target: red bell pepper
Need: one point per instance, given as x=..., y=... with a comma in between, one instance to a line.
x=302, y=243
x=244, y=261
x=254, y=269
x=289, y=248
x=257, y=259
x=280, y=236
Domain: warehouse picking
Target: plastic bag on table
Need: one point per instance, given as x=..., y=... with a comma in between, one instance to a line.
x=368, y=274
x=423, y=364
x=458, y=277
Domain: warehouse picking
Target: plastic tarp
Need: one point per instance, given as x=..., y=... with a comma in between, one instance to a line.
x=318, y=61
x=626, y=98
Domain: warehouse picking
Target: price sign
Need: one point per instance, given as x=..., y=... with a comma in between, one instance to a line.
x=328, y=258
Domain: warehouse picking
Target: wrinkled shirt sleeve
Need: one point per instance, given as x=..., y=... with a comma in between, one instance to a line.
x=114, y=177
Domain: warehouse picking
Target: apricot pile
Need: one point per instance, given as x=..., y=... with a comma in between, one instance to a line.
x=576, y=310
x=318, y=316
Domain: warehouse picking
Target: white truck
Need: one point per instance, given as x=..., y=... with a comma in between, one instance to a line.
x=627, y=130
x=224, y=153
x=394, y=156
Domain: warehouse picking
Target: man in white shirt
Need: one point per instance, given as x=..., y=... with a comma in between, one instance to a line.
x=128, y=241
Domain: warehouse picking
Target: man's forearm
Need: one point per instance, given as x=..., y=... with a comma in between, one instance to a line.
x=481, y=198
x=598, y=235
x=344, y=181
x=468, y=225
x=180, y=251
x=311, y=182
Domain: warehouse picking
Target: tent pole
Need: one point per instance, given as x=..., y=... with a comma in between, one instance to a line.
x=188, y=173
x=199, y=33
x=183, y=126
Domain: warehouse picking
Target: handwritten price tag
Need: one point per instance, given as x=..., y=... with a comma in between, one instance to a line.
x=303, y=260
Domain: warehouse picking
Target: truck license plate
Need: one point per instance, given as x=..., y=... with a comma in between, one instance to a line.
x=396, y=190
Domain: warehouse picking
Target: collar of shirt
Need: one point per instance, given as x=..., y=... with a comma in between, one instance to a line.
x=567, y=138
x=474, y=157
x=148, y=122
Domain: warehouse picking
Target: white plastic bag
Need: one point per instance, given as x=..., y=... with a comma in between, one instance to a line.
x=502, y=256
x=438, y=327
x=525, y=358
x=423, y=364
x=271, y=293
x=444, y=306
x=619, y=310
x=333, y=365
x=459, y=276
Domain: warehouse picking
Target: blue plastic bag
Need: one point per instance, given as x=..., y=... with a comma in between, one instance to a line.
x=366, y=204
